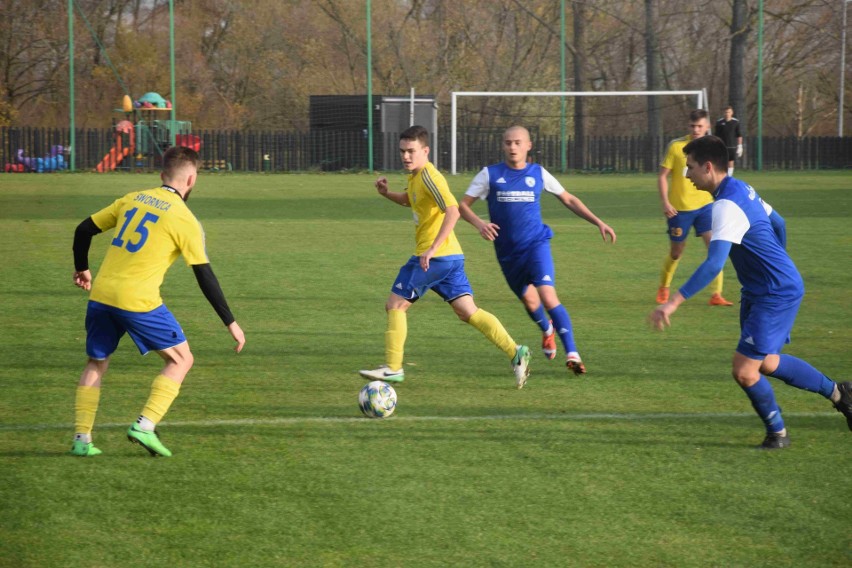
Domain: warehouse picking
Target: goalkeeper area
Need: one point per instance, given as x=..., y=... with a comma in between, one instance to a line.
x=621, y=130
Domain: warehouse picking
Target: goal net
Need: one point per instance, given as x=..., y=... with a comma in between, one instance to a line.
x=615, y=127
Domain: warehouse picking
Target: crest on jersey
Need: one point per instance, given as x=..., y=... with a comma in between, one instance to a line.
x=530, y=181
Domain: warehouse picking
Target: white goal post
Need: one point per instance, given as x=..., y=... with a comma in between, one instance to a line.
x=700, y=102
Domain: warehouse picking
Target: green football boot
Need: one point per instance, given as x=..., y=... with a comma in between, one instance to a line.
x=521, y=365
x=83, y=449
x=148, y=440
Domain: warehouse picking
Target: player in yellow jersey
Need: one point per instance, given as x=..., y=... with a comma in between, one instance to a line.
x=151, y=228
x=437, y=264
x=685, y=207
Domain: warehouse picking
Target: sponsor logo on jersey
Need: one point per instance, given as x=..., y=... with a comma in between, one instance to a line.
x=530, y=181
x=515, y=196
x=501, y=179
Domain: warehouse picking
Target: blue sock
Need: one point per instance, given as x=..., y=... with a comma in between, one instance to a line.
x=540, y=318
x=763, y=401
x=802, y=375
x=562, y=324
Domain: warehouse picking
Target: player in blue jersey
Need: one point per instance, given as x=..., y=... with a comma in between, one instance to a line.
x=772, y=291
x=513, y=190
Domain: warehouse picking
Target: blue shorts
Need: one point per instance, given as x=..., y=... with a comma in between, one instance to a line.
x=765, y=326
x=679, y=225
x=445, y=276
x=151, y=331
x=532, y=266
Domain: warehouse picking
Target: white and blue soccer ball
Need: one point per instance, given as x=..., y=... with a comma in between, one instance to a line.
x=377, y=399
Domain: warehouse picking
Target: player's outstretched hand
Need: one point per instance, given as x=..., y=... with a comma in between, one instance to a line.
x=382, y=185
x=659, y=318
x=238, y=335
x=607, y=230
x=83, y=279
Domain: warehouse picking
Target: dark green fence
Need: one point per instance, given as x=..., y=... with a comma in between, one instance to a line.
x=46, y=149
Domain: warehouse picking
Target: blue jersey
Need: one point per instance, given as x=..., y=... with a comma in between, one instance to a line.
x=763, y=267
x=514, y=204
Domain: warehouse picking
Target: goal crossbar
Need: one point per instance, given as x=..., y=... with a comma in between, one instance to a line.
x=700, y=102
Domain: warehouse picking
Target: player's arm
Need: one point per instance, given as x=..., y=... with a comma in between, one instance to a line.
x=663, y=188
x=82, y=241
x=211, y=289
x=400, y=198
x=478, y=189
x=451, y=217
x=579, y=209
x=717, y=253
x=486, y=229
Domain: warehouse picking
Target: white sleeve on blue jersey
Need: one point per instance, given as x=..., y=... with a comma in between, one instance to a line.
x=480, y=185
x=729, y=222
x=766, y=207
x=551, y=184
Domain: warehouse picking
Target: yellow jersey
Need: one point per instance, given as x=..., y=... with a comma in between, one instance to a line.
x=429, y=196
x=683, y=195
x=152, y=227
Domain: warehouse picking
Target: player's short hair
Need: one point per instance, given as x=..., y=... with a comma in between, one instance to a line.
x=416, y=132
x=729, y=107
x=177, y=157
x=697, y=114
x=708, y=149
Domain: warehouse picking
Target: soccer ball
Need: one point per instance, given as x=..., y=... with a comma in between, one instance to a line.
x=377, y=400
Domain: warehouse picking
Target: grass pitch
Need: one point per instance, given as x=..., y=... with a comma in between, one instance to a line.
x=646, y=461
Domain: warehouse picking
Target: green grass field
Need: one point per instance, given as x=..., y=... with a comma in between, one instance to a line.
x=646, y=461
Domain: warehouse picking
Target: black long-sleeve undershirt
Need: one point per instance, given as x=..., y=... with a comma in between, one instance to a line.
x=82, y=241
x=209, y=285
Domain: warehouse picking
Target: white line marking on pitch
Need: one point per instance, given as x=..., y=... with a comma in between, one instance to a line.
x=359, y=419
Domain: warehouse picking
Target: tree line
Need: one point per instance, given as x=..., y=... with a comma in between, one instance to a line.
x=253, y=64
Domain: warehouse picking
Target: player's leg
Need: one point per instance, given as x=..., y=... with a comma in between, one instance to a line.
x=396, y=333
x=518, y=277
x=746, y=372
x=411, y=282
x=562, y=324
x=677, y=242
x=797, y=372
x=103, y=332
x=764, y=329
x=86, y=401
x=164, y=390
x=535, y=309
x=159, y=331
x=489, y=326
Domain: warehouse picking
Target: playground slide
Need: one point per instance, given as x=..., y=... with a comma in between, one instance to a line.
x=113, y=158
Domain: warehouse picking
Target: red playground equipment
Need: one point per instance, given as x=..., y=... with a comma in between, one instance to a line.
x=120, y=149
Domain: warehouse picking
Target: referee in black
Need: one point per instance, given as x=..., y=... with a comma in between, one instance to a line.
x=728, y=129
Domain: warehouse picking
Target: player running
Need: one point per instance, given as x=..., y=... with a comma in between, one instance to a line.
x=772, y=291
x=513, y=190
x=437, y=264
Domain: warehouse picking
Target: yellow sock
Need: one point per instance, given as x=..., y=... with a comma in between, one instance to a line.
x=668, y=272
x=494, y=331
x=716, y=283
x=395, y=338
x=163, y=393
x=85, y=408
